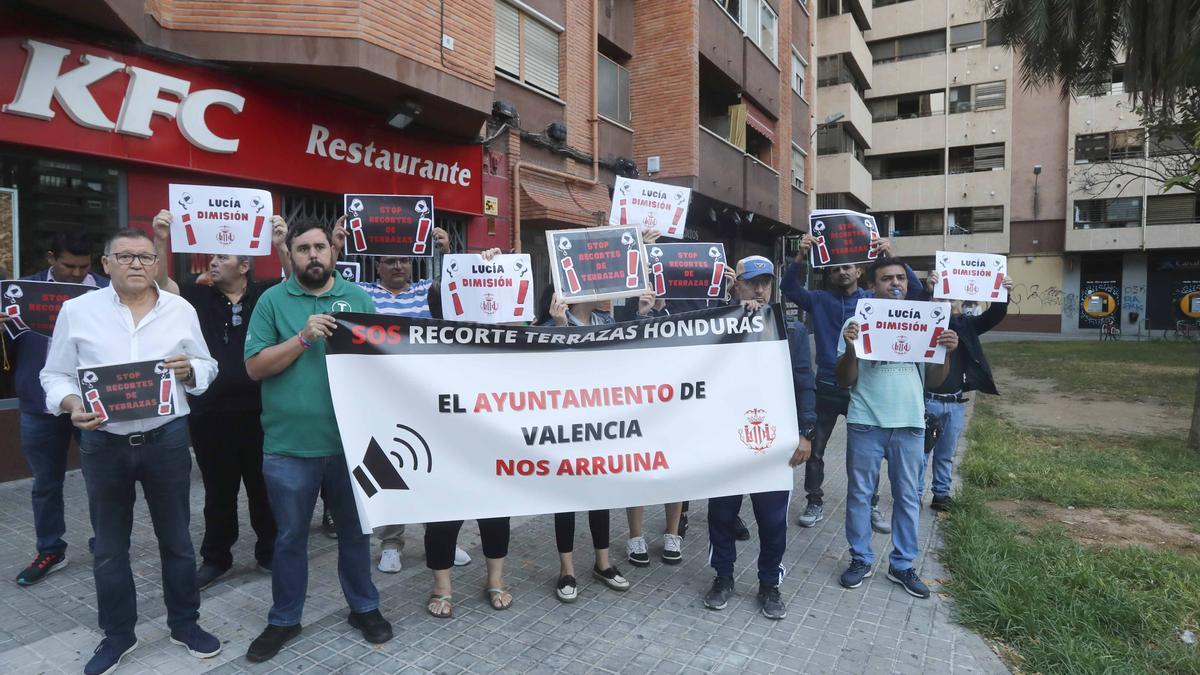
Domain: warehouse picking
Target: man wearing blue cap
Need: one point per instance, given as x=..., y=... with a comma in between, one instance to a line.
x=752, y=287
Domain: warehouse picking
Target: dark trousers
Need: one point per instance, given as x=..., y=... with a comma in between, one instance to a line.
x=441, y=538
x=44, y=442
x=228, y=451
x=564, y=530
x=770, y=512
x=112, y=468
x=832, y=402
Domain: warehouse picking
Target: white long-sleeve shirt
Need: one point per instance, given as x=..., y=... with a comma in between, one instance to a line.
x=97, y=329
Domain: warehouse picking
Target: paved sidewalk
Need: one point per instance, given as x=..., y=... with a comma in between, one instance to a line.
x=658, y=626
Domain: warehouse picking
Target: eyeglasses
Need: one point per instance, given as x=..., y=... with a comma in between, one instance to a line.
x=392, y=262
x=146, y=259
x=235, y=320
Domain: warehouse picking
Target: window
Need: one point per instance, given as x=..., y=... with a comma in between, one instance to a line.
x=763, y=30
x=910, y=223
x=1091, y=148
x=905, y=164
x=1173, y=142
x=966, y=36
x=526, y=48
x=977, y=97
x=827, y=8
x=995, y=34
x=734, y=9
x=907, y=106
x=835, y=140
x=1172, y=210
x=612, y=88
x=798, y=66
x=835, y=70
x=1107, y=83
x=840, y=200
x=1091, y=214
x=798, y=161
x=1128, y=144
x=975, y=219
x=970, y=158
x=908, y=46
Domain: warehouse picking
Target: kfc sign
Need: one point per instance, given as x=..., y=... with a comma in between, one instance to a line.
x=44, y=79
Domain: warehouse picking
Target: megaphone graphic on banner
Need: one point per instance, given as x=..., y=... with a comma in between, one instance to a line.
x=379, y=471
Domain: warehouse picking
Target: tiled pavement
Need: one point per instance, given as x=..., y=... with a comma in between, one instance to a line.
x=658, y=626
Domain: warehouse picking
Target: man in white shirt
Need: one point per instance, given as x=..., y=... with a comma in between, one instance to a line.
x=128, y=322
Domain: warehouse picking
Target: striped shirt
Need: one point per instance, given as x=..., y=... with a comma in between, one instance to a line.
x=412, y=302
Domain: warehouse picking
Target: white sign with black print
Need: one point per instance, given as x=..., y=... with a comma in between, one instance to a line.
x=648, y=205
x=214, y=219
x=901, y=330
x=496, y=291
x=970, y=276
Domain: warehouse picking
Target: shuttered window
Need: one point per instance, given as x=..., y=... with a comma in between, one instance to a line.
x=1093, y=214
x=989, y=96
x=989, y=157
x=526, y=48
x=508, y=39
x=1171, y=210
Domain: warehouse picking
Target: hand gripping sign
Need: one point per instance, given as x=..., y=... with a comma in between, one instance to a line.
x=687, y=271
x=597, y=263
x=34, y=305
x=496, y=291
x=128, y=392
x=212, y=219
x=841, y=238
x=901, y=330
x=392, y=225
x=650, y=206
x=970, y=276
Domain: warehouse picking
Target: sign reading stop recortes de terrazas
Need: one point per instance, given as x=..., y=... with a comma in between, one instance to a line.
x=842, y=237
x=575, y=418
x=495, y=291
x=691, y=271
x=389, y=225
x=650, y=205
x=597, y=263
x=970, y=276
x=127, y=392
x=34, y=305
x=901, y=330
x=213, y=219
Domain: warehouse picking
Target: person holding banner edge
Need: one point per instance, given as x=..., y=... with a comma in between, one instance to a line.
x=45, y=438
x=829, y=311
x=886, y=420
x=127, y=322
x=302, y=451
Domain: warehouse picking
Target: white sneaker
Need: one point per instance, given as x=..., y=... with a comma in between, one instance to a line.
x=389, y=561
x=460, y=557
x=672, y=549
x=637, y=552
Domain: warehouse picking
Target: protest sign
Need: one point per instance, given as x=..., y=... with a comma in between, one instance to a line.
x=128, y=392
x=487, y=292
x=213, y=219
x=650, y=206
x=597, y=263
x=545, y=420
x=34, y=305
x=970, y=276
x=901, y=330
x=389, y=224
x=687, y=271
x=842, y=237
x=349, y=271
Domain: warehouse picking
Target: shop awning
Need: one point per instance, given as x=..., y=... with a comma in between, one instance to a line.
x=551, y=198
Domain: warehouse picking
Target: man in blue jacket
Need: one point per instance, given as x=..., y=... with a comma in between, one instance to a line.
x=830, y=310
x=45, y=437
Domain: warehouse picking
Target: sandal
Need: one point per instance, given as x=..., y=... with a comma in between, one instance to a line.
x=499, y=598
x=440, y=606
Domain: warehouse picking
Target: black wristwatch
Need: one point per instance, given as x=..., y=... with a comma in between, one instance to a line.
x=809, y=432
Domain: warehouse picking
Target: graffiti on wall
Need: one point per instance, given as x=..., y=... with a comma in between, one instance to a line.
x=1036, y=299
x=1134, y=299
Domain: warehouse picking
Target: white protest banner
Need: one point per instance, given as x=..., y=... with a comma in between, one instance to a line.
x=650, y=205
x=545, y=420
x=213, y=219
x=901, y=330
x=970, y=276
x=487, y=292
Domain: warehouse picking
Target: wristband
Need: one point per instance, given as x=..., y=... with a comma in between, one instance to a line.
x=303, y=343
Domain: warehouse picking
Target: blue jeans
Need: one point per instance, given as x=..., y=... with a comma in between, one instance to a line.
x=770, y=512
x=293, y=484
x=951, y=416
x=44, y=442
x=904, y=449
x=111, y=469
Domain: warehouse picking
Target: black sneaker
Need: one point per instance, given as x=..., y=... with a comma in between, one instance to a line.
x=771, y=602
x=718, y=596
x=854, y=575
x=42, y=565
x=108, y=655
x=910, y=581
x=941, y=503
x=270, y=641
x=327, y=525
x=637, y=552
x=375, y=629
x=208, y=574
x=740, y=531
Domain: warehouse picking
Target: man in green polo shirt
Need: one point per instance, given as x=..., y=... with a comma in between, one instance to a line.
x=302, y=452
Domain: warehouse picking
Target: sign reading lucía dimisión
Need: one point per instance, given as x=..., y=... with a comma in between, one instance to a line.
x=229, y=220
x=970, y=276
x=543, y=420
x=901, y=330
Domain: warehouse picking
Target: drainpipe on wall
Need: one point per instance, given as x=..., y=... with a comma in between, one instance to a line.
x=946, y=140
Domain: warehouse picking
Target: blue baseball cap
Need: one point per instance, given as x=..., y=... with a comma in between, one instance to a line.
x=754, y=266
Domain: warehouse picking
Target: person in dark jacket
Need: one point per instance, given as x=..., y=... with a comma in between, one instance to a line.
x=969, y=371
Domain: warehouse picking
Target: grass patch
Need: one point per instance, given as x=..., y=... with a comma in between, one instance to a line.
x=1144, y=371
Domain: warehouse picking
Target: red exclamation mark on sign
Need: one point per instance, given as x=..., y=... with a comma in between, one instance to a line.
x=866, y=337
x=423, y=227
x=674, y=228
x=93, y=399
x=458, y=308
x=568, y=266
x=14, y=314
x=996, y=287
x=946, y=282
x=660, y=280
x=871, y=251
x=631, y=266
x=937, y=332
x=822, y=250
x=164, y=394
x=360, y=239
x=258, y=223
x=522, y=291
x=187, y=228
x=714, y=284
x=624, y=216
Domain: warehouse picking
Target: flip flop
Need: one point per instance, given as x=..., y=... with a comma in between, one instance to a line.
x=497, y=594
x=440, y=606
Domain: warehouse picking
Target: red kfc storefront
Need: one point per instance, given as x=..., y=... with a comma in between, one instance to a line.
x=91, y=136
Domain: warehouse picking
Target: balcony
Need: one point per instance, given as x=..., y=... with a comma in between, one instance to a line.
x=839, y=34
x=919, y=16
x=917, y=193
x=923, y=73
x=722, y=170
x=1173, y=236
x=762, y=188
x=1105, y=239
x=844, y=99
x=909, y=135
x=980, y=188
x=928, y=245
x=721, y=41
x=843, y=173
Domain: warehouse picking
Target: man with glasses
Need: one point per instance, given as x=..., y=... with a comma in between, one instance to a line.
x=132, y=320
x=227, y=434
